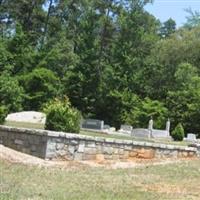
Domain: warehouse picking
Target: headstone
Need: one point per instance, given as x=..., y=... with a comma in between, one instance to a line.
x=141, y=133
x=93, y=124
x=168, y=125
x=150, y=127
x=191, y=137
x=26, y=119
x=106, y=126
x=126, y=128
x=156, y=133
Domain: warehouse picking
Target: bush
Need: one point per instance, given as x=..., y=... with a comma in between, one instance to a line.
x=60, y=116
x=3, y=114
x=178, y=132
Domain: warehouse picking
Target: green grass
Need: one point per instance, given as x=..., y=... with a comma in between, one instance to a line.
x=172, y=181
x=124, y=137
x=97, y=134
x=24, y=125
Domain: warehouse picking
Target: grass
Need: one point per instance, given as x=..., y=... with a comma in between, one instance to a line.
x=171, y=181
x=24, y=125
x=126, y=137
x=97, y=134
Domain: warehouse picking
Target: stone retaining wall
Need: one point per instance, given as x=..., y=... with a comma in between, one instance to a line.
x=66, y=146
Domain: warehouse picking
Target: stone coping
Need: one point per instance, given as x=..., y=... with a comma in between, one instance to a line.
x=94, y=139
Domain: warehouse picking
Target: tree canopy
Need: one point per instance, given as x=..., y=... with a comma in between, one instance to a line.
x=113, y=59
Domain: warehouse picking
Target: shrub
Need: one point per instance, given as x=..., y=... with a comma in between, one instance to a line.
x=61, y=116
x=3, y=114
x=178, y=132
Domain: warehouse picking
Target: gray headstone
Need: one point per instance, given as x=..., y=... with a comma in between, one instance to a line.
x=106, y=126
x=141, y=133
x=160, y=133
x=93, y=124
x=126, y=128
x=191, y=137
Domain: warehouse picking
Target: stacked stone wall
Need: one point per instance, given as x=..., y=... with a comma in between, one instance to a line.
x=66, y=146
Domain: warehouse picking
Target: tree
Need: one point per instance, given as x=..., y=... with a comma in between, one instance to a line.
x=193, y=18
x=6, y=58
x=61, y=59
x=168, y=54
x=23, y=54
x=30, y=15
x=184, y=101
x=40, y=86
x=11, y=93
x=168, y=28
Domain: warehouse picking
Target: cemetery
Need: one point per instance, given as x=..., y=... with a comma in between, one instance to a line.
x=79, y=157
x=65, y=146
x=99, y=99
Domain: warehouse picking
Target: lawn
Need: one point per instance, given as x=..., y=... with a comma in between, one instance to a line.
x=172, y=181
x=126, y=137
x=97, y=134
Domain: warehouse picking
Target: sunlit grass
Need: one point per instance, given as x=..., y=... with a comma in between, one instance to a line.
x=172, y=181
x=98, y=134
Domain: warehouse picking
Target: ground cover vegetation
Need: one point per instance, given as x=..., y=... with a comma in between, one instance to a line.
x=168, y=181
x=113, y=59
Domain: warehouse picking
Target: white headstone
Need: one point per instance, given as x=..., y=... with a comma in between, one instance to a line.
x=150, y=124
x=191, y=137
x=27, y=116
x=168, y=125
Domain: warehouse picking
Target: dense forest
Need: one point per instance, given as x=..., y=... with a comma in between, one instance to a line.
x=111, y=58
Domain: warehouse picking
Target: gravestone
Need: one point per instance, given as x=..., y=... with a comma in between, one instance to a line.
x=141, y=133
x=191, y=137
x=126, y=129
x=150, y=126
x=106, y=126
x=156, y=133
x=93, y=124
x=26, y=119
x=168, y=125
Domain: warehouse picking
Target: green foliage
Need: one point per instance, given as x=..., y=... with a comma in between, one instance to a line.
x=178, y=133
x=113, y=59
x=40, y=86
x=11, y=93
x=118, y=107
x=168, y=28
x=6, y=58
x=60, y=59
x=3, y=114
x=139, y=115
x=193, y=18
x=61, y=116
x=155, y=109
x=184, y=102
x=184, y=75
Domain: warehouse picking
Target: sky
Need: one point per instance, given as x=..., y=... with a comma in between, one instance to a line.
x=164, y=9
